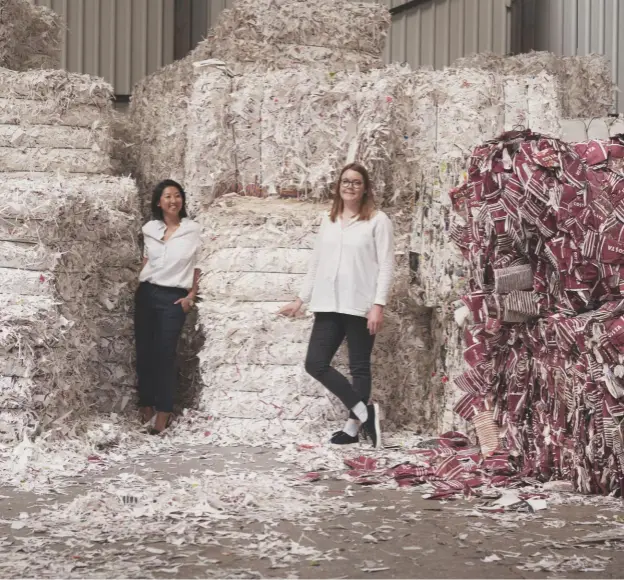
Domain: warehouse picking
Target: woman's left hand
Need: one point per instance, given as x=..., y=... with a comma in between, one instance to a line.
x=186, y=303
x=375, y=319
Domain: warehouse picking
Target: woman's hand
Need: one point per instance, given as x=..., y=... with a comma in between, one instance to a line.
x=186, y=302
x=291, y=308
x=375, y=319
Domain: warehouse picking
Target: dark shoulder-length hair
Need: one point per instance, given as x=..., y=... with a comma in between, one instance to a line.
x=157, y=212
x=367, y=206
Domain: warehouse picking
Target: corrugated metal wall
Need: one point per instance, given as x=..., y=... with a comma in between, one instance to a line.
x=193, y=20
x=125, y=40
x=573, y=27
x=120, y=40
x=436, y=32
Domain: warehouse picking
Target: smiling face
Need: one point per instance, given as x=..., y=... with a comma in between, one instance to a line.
x=352, y=187
x=354, y=191
x=171, y=202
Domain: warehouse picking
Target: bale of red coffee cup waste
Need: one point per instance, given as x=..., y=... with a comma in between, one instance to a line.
x=541, y=225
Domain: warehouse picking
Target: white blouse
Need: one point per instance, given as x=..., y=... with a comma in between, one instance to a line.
x=352, y=266
x=173, y=262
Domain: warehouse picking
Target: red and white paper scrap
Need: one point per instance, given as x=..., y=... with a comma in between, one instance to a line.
x=451, y=465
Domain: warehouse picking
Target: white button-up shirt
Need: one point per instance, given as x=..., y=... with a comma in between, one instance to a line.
x=173, y=262
x=352, y=266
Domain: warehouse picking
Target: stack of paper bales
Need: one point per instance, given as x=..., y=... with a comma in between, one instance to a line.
x=255, y=256
x=288, y=133
x=331, y=35
x=30, y=36
x=68, y=254
x=247, y=122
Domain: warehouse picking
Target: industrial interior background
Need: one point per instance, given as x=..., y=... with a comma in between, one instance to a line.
x=125, y=40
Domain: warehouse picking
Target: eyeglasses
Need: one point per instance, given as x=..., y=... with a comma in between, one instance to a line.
x=347, y=183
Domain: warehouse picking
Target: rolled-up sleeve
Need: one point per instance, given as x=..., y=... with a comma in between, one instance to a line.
x=384, y=245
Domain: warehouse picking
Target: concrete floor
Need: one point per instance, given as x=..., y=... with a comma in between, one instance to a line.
x=388, y=534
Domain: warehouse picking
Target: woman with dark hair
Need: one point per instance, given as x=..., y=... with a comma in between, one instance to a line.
x=168, y=287
x=347, y=285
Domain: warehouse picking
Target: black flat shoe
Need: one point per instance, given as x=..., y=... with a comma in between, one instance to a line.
x=342, y=438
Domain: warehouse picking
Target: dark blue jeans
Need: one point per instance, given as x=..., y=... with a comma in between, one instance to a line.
x=158, y=322
x=328, y=332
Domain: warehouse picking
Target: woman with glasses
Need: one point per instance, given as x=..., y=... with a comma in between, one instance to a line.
x=347, y=286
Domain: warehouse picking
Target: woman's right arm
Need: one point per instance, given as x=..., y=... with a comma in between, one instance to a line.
x=305, y=294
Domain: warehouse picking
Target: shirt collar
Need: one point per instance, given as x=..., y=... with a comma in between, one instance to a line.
x=157, y=228
x=352, y=219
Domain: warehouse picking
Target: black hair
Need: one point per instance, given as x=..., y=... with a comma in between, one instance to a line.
x=157, y=212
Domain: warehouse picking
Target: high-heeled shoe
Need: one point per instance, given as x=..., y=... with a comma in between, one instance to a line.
x=146, y=414
x=154, y=431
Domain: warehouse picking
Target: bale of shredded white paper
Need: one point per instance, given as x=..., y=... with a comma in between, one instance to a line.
x=30, y=36
x=584, y=84
x=37, y=112
x=62, y=137
x=291, y=130
x=54, y=159
x=157, y=120
x=84, y=282
x=210, y=164
x=58, y=88
x=339, y=24
x=305, y=129
x=38, y=196
x=463, y=108
x=54, y=121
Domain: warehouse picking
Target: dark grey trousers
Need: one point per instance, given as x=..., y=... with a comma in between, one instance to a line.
x=328, y=332
x=158, y=322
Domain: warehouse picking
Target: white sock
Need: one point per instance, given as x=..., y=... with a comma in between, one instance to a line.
x=360, y=411
x=351, y=427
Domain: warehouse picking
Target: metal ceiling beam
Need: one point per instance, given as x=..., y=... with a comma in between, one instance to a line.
x=407, y=6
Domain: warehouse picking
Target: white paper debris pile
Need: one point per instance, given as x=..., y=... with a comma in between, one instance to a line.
x=168, y=522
